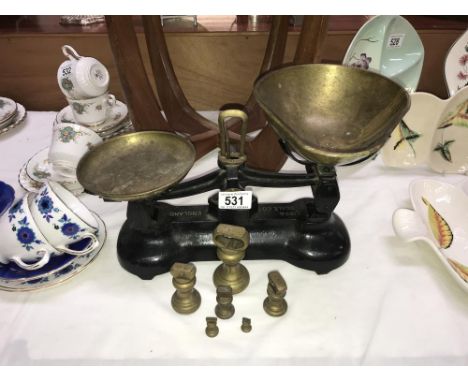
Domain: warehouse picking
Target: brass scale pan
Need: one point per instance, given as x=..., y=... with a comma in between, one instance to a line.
x=329, y=114
x=136, y=166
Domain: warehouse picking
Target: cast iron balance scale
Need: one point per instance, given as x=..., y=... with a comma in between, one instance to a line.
x=328, y=114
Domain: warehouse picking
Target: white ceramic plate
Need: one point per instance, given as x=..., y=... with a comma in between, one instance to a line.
x=8, y=109
x=16, y=120
x=456, y=65
x=390, y=46
x=59, y=269
x=117, y=115
x=440, y=219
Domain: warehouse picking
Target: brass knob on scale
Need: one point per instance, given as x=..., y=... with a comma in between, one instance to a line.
x=231, y=242
x=186, y=298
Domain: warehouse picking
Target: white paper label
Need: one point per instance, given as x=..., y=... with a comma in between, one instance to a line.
x=396, y=40
x=235, y=200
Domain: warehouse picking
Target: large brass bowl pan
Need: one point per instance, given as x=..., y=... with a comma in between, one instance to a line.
x=331, y=114
x=136, y=166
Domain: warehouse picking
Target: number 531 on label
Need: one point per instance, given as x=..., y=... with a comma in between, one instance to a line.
x=235, y=200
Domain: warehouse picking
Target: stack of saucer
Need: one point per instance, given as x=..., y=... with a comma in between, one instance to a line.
x=11, y=114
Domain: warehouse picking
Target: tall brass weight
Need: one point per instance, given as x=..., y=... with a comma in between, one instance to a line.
x=186, y=298
x=231, y=242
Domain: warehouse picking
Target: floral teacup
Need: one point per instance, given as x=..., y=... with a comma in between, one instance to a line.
x=63, y=219
x=69, y=143
x=92, y=111
x=22, y=241
x=81, y=77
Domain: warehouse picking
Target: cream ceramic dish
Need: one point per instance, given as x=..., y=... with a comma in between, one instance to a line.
x=390, y=46
x=434, y=132
x=449, y=148
x=440, y=219
x=456, y=65
x=410, y=143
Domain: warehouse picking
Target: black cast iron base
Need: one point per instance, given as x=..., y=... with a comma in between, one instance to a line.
x=157, y=234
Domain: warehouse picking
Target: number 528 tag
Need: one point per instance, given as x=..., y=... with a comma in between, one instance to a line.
x=235, y=200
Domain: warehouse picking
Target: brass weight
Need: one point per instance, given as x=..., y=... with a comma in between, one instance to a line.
x=231, y=242
x=275, y=305
x=186, y=298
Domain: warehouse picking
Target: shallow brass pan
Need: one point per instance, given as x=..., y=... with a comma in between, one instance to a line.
x=136, y=166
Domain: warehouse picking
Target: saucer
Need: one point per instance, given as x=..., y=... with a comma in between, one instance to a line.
x=118, y=113
x=37, y=170
x=456, y=65
x=26, y=183
x=124, y=128
x=388, y=45
x=56, y=271
x=439, y=219
x=8, y=109
x=16, y=120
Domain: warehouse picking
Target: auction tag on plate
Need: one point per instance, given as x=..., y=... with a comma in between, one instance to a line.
x=396, y=40
x=235, y=200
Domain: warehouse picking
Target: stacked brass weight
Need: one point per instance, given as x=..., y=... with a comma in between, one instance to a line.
x=186, y=298
x=224, y=309
x=275, y=305
x=231, y=242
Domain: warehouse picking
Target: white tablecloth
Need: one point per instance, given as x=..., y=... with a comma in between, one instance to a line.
x=391, y=303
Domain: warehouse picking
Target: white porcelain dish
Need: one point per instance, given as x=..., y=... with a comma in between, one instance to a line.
x=456, y=65
x=390, y=46
x=439, y=218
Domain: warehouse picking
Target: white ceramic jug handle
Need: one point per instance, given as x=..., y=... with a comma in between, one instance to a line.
x=69, y=52
x=408, y=226
x=31, y=267
x=90, y=248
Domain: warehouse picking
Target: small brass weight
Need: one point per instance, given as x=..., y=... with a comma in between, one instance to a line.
x=186, y=298
x=275, y=305
x=231, y=242
x=224, y=309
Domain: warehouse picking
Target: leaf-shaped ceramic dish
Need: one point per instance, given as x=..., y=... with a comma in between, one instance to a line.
x=410, y=143
x=434, y=132
x=449, y=148
x=390, y=46
x=440, y=218
x=456, y=65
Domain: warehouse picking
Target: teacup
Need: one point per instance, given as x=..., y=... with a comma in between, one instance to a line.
x=81, y=77
x=92, y=111
x=22, y=241
x=63, y=219
x=69, y=143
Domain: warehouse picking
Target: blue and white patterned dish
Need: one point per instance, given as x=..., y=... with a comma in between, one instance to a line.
x=57, y=270
x=7, y=196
